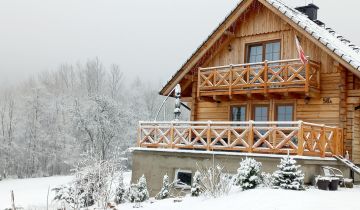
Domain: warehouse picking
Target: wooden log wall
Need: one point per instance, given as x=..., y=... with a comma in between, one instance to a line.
x=340, y=90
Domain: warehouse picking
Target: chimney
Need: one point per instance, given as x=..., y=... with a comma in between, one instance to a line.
x=310, y=10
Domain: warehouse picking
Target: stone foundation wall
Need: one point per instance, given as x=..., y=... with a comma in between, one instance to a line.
x=155, y=163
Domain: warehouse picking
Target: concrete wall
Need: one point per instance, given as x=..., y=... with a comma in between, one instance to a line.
x=155, y=163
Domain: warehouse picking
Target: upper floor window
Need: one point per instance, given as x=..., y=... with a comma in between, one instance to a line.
x=260, y=52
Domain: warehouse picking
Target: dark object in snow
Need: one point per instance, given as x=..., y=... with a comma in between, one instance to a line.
x=348, y=183
x=323, y=183
x=334, y=184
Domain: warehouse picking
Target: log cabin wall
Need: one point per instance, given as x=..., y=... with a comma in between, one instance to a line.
x=335, y=106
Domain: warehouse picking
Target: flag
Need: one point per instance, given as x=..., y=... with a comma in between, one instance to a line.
x=301, y=52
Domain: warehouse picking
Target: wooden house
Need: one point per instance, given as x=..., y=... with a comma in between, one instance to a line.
x=249, y=92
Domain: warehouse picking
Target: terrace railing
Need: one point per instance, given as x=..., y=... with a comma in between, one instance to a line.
x=264, y=77
x=298, y=137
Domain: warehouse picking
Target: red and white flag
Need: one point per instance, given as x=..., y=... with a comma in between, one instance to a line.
x=301, y=52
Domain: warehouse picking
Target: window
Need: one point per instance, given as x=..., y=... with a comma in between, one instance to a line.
x=183, y=178
x=285, y=112
x=263, y=51
x=261, y=113
x=238, y=113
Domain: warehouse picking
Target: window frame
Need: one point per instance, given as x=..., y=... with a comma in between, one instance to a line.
x=182, y=186
x=240, y=105
x=260, y=105
x=263, y=44
x=284, y=104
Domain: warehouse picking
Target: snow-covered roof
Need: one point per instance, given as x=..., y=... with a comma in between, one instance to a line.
x=335, y=42
x=343, y=47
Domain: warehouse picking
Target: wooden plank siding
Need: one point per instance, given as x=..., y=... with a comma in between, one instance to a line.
x=339, y=89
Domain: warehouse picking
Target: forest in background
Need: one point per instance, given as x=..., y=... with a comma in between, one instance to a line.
x=49, y=120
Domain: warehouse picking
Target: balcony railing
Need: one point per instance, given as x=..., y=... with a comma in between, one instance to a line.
x=264, y=77
x=300, y=138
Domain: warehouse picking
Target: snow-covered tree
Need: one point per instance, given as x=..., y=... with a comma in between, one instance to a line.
x=48, y=120
x=138, y=192
x=165, y=189
x=196, y=185
x=99, y=123
x=288, y=175
x=120, y=190
x=248, y=175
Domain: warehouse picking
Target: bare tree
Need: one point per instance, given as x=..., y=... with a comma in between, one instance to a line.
x=115, y=82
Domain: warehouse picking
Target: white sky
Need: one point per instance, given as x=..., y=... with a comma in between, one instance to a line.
x=148, y=38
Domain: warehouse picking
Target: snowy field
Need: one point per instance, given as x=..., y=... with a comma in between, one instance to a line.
x=264, y=199
x=31, y=194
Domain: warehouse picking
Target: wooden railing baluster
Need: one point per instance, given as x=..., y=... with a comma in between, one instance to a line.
x=208, y=136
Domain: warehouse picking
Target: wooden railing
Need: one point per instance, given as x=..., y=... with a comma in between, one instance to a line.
x=298, y=137
x=264, y=77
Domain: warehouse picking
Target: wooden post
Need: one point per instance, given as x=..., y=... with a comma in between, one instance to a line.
x=251, y=136
x=230, y=80
x=12, y=200
x=301, y=138
x=335, y=141
x=341, y=141
x=318, y=69
x=199, y=83
x=265, y=77
x=208, y=135
x=139, y=135
x=322, y=141
x=248, y=74
x=172, y=135
x=307, y=76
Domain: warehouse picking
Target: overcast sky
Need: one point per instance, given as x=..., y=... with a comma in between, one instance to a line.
x=149, y=38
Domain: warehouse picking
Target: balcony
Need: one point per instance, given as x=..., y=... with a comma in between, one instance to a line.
x=265, y=78
x=297, y=138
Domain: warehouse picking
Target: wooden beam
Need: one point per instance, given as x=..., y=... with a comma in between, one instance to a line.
x=221, y=98
x=238, y=98
x=207, y=99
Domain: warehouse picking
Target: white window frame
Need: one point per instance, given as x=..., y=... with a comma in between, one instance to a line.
x=183, y=186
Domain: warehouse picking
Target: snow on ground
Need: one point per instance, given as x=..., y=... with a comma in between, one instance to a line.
x=264, y=199
x=29, y=193
x=32, y=193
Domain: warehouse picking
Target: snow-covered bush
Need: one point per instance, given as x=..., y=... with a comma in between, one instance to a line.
x=267, y=179
x=248, y=175
x=68, y=194
x=288, y=176
x=120, y=191
x=196, y=187
x=138, y=192
x=215, y=182
x=165, y=190
x=92, y=183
